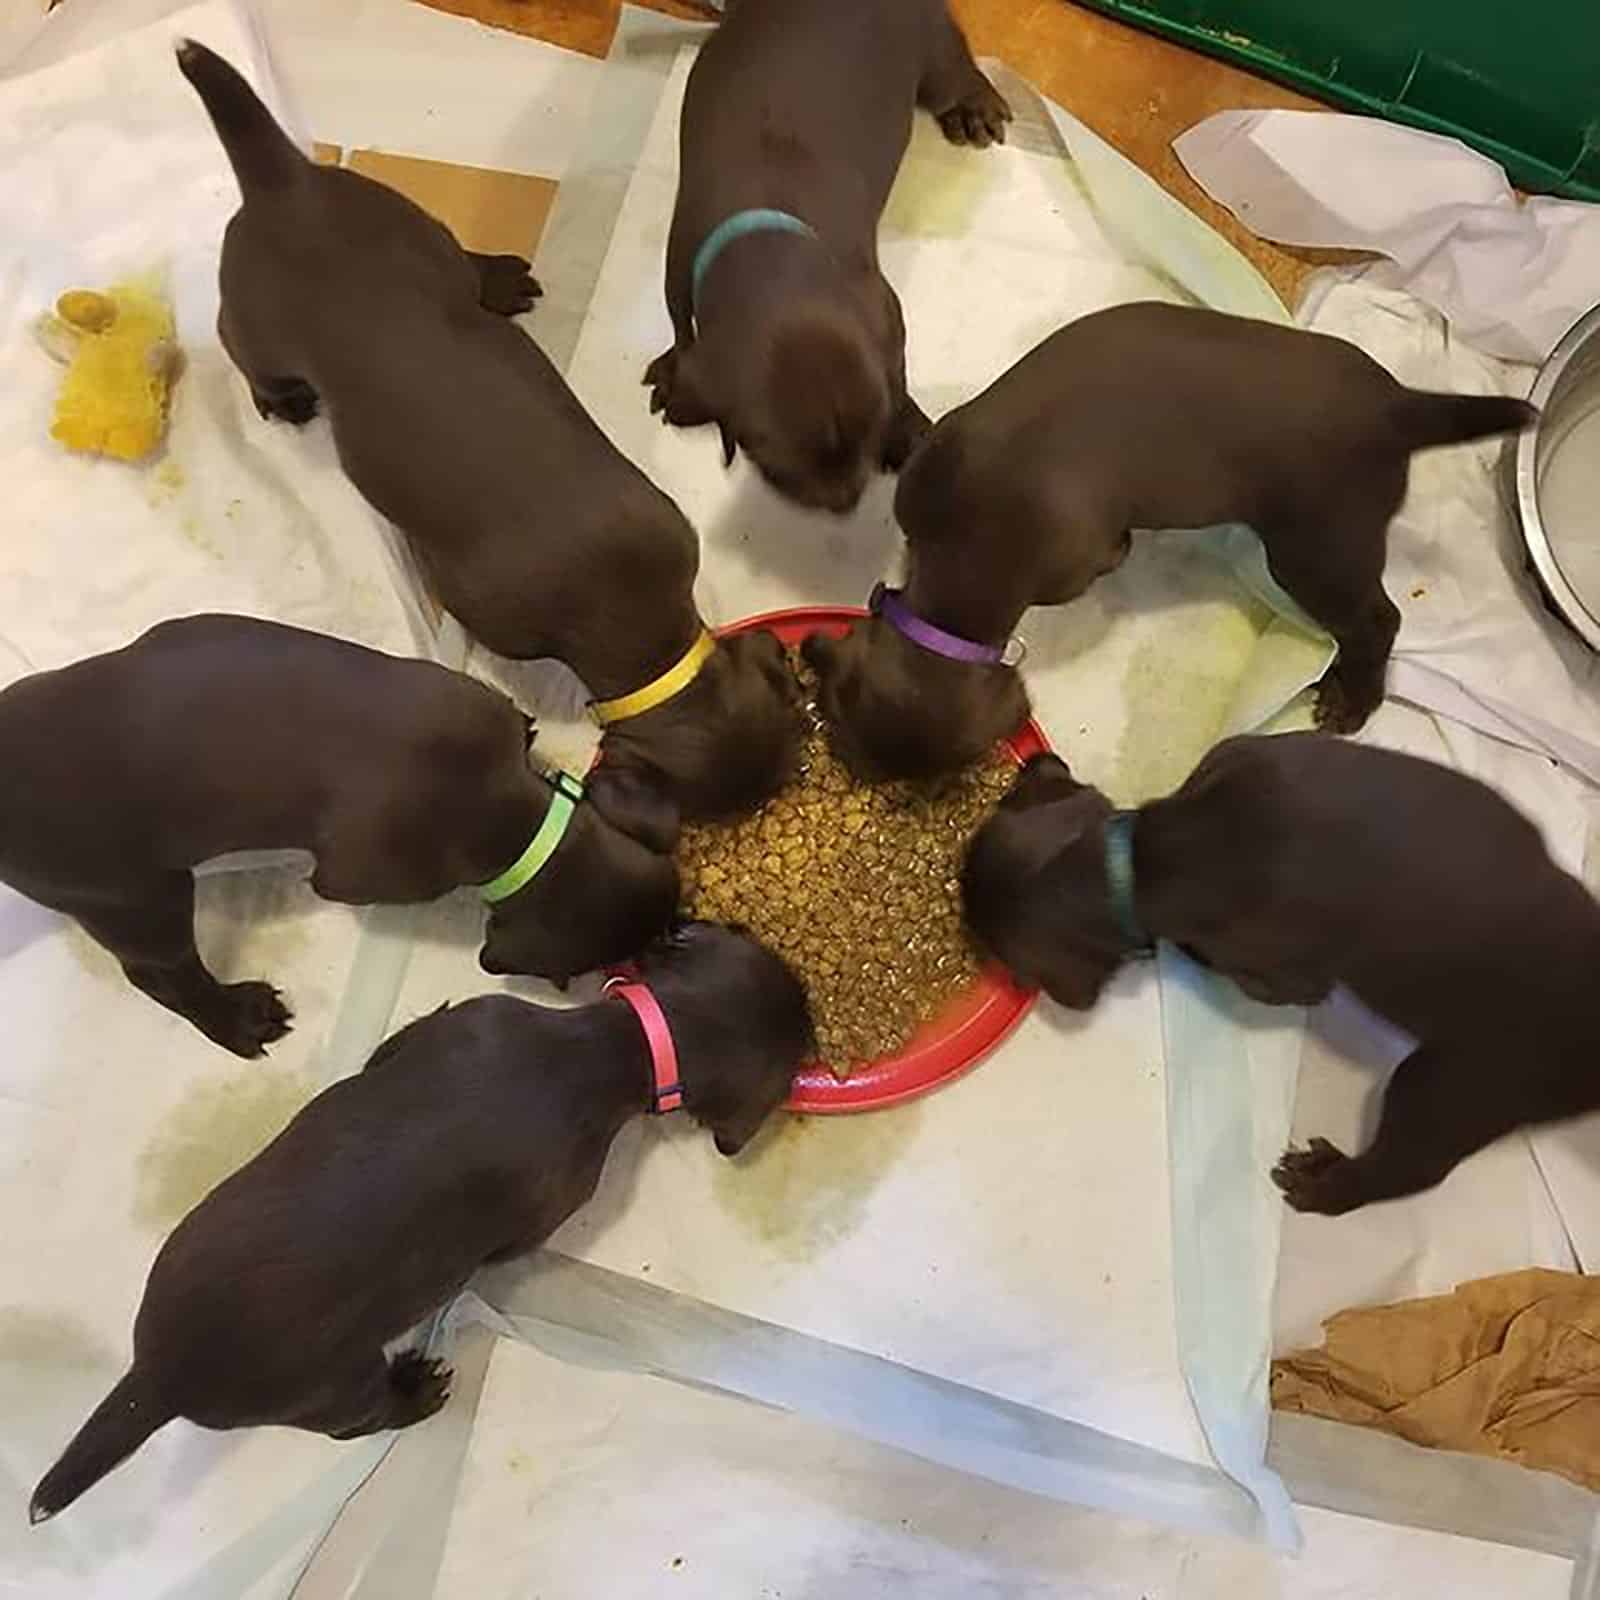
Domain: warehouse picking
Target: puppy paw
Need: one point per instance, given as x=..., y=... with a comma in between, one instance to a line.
x=248, y=1017
x=1343, y=707
x=979, y=118
x=293, y=402
x=419, y=1385
x=507, y=285
x=658, y=379
x=1317, y=1179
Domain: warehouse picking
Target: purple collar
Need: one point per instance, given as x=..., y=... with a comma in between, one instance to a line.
x=886, y=603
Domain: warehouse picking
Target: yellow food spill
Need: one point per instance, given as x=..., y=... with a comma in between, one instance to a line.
x=87, y=310
x=856, y=886
x=122, y=359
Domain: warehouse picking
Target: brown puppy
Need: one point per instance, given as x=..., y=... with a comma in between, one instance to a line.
x=470, y=1137
x=785, y=333
x=1295, y=863
x=1143, y=416
x=215, y=734
x=535, y=532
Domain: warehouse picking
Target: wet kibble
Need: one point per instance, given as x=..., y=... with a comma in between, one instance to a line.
x=856, y=886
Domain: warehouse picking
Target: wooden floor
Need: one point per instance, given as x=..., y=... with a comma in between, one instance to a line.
x=1136, y=91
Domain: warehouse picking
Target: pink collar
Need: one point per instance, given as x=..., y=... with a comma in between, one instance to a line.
x=667, y=1091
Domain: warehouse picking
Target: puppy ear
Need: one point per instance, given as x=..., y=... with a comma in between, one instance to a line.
x=1076, y=984
x=636, y=801
x=909, y=427
x=826, y=653
x=819, y=651
x=1044, y=778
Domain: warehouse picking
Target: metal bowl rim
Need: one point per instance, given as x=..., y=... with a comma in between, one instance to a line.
x=1534, y=536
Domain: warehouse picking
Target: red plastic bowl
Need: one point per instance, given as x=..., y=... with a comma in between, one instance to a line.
x=974, y=1021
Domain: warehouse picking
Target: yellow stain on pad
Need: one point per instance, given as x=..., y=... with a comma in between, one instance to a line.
x=121, y=352
x=220, y=1124
x=1179, y=688
x=805, y=1183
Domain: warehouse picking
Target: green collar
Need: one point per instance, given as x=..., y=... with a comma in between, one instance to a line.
x=566, y=793
x=760, y=220
x=1119, y=878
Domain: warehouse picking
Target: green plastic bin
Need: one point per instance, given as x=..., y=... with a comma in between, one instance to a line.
x=1518, y=81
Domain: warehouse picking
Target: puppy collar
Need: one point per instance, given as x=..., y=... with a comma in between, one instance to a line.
x=566, y=793
x=886, y=603
x=666, y=1092
x=658, y=691
x=1119, y=878
x=759, y=220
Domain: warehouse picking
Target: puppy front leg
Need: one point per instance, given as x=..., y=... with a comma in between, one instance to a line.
x=965, y=104
x=678, y=395
x=1437, y=1110
x=910, y=424
x=661, y=375
x=151, y=932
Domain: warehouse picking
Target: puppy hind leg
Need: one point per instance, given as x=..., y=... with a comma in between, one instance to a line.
x=968, y=108
x=151, y=932
x=1335, y=572
x=1437, y=1110
x=388, y=1393
x=284, y=398
x=1353, y=687
x=506, y=284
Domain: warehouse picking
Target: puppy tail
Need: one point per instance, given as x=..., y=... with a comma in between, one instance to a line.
x=115, y=1429
x=1427, y=420
x=262, y=155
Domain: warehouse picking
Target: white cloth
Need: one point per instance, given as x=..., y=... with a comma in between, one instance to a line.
x=115, y=1116
x=1512, y=275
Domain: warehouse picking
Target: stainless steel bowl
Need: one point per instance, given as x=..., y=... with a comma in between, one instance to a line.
x=1558, y=479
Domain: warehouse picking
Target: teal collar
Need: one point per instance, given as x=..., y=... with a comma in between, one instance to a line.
x=564, y=798
x=1119, y=878
x=760, y=220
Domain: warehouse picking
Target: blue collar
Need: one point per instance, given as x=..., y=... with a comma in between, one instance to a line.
x=1119, y=878
x=760, y=220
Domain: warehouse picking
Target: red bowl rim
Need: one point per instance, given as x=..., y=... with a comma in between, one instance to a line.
x=972, y=1025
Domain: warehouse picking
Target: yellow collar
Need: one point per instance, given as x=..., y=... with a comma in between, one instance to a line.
x=672, y=682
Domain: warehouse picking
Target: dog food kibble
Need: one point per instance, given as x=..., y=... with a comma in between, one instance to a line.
x=856, y=886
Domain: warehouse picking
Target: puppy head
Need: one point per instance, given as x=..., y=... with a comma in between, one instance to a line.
x=895, y=710
x=816, y=418
x=1033, y=886
x=740, y=1024
x=611, y=887
x=731, y=739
